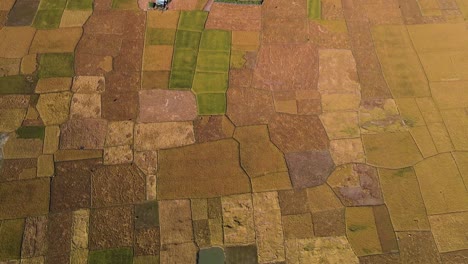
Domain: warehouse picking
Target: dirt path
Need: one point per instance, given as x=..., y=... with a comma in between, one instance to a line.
x=208, y=5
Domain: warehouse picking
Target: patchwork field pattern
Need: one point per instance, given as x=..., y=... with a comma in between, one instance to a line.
x=306, y=131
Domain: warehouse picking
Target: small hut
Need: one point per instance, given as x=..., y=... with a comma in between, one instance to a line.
x=158, y=4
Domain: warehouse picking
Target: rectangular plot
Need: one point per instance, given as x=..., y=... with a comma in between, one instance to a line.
x=185, y=60
x=245, y=40
x=417, y=247
x=53, y=4
x=439, y=37
x=187, y=39
x=208, y=82
x=456, y=121
x=192, y=20
x=269, y=229
x=160, y=36
x=11, y=234
x=362, y=231
x=442, y=186
x=285, y=30
x=15, y=84
x=167, y=19
x=373, y=84
x=463, y=6
x=119, y=255
x=211, y=103
x=209, y=61
x=400, y=63
x=430, y=7
x=450, y=95
x=219, y=40
x=314, y=9
x=155, y=80
x=31, y=132
x=22, y=13
x=235, y=17
x=80, y=4
x=181, y=79
x=47, y=19
x=24, y=198
x=157, y=58
x=445, y=65
x=450, y=231
x=405, y=204
x=277, y=8
x=56, y=65
x=237, y=59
